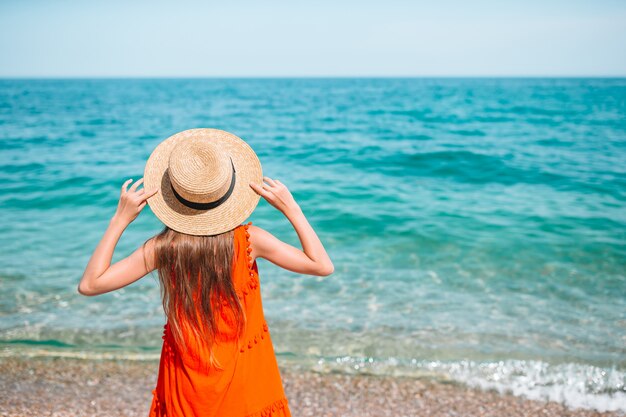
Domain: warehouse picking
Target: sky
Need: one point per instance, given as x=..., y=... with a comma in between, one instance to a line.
x=269, y=38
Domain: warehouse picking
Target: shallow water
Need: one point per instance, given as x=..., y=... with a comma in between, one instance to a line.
x=477, y=226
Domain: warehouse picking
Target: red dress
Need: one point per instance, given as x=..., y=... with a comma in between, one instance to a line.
x=249, y=383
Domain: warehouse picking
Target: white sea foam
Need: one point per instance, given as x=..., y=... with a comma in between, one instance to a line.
x=575, y=385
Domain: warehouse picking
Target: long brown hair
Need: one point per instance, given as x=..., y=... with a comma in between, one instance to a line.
x=196, y=285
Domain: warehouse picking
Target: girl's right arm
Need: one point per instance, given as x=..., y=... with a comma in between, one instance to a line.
x=312, y=259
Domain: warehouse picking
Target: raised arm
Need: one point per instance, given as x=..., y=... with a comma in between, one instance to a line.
x=312, y=259
x=100, y=276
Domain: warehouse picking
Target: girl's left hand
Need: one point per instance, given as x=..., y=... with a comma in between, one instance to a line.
x=132, y=202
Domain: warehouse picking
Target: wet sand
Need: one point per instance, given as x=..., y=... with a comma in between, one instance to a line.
x=75, y=387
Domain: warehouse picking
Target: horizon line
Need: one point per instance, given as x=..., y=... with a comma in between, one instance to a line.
x=190, y=77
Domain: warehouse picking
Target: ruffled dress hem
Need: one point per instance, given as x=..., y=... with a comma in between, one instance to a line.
x=275, y=409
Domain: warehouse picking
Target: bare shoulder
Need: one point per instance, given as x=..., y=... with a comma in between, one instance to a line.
x=261, y=241
x=259, y=234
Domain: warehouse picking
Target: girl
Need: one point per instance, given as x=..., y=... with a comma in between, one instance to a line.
x=217, y=357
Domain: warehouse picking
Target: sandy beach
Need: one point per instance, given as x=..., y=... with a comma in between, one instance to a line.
x=74, y=387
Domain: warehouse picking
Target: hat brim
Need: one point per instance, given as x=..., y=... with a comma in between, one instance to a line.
x=228, y=215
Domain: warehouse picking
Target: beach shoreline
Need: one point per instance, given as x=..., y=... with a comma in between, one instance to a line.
x=52, y=386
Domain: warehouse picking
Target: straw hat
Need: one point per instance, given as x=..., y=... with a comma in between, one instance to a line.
x=202, y=176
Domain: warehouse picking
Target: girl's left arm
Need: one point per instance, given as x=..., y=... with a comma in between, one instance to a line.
x=100, y=276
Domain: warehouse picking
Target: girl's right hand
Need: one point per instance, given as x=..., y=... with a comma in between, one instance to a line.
x=277, y=194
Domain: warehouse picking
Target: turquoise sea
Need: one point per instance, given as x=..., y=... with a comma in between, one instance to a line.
x=477, y=226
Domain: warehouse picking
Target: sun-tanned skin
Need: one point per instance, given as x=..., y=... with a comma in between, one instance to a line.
x=101, y=277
